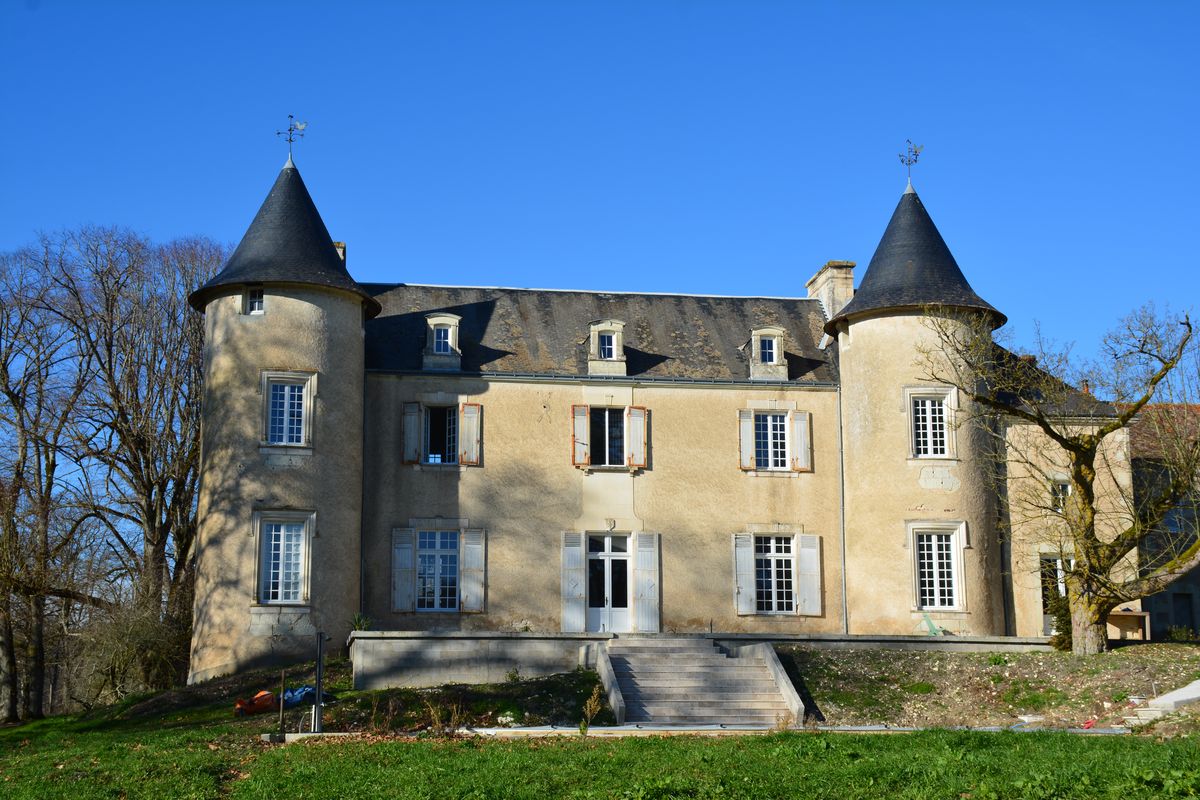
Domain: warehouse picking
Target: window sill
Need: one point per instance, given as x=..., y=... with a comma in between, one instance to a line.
x=294, y=606
x=933, y=612
x=435, y=467
x=934, y=459
x=268, y=449
x=613, y=468
x=772, y=473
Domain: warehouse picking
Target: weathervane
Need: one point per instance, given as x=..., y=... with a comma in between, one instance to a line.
x=910, y=156
x=295, y=130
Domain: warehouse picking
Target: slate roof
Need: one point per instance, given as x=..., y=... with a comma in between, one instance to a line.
x=545, y=332
x=912, y=268
x=286, y=243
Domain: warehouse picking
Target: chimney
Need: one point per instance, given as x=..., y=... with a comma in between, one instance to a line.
x=833, y=285
x=341, y=251
x=1086, y=386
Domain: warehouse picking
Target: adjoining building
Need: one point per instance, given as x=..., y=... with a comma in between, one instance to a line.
x=560, y=461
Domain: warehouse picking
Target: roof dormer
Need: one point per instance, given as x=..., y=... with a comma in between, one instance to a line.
x=606, y=347
x=767, y=362
x=442, y=352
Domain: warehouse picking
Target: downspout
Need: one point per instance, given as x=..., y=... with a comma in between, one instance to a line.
x=842, y=505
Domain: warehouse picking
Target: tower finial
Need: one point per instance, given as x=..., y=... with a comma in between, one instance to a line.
x=295, y=130
x=909, y=157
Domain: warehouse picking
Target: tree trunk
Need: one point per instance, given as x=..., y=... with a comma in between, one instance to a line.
x=1089, y=627
x=37, y=661
x=8, y=663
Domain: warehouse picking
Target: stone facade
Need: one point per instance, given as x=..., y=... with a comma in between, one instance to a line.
x=441, y=459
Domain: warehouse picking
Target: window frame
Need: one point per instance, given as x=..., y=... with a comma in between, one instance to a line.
x=254, y=302
x=452, y=430
x=635, y=437
x=768, y=343
x=956, y=530
x=260, y=520
x=442, y=335
x=606, y=345
x=438, y=553
x=308, y=382
x=1059, y=500
x=773, y=440
x=948, y=398
x=775, y=558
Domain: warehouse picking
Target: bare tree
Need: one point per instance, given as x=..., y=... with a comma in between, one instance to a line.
x=1061, y=456
x=126, y=301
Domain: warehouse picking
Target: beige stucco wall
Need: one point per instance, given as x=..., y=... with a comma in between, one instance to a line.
x=887, y=489
x=526, y=493
x=302, y=330
x=1033, y=460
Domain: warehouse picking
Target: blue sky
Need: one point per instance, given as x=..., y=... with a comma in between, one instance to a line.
x=701, y=147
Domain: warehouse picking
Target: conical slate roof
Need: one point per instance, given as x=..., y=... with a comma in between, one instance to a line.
x=286, y=243
x=912, y=268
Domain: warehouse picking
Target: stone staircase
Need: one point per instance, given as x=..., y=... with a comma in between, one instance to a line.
x=689, y=681
x=1165, y=704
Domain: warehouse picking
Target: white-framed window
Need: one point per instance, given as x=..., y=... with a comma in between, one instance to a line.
x=436, y=568
x=441, y=340
x=931, y=420
x=287, y=408
x=777, y=573
x=606, y=345
x=937, y=564
x=767, y=349
x=1060, y=491
x=774, y=589
x=609, y=436
x=284, y=543
x=441, y=433
x=440, y=445
x=775, y=440
x=255, y=301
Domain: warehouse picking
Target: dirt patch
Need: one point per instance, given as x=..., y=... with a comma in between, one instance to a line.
x=935, y=689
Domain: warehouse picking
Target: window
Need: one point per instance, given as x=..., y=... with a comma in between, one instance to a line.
x=1059, y=492
x=775, y=440
x=605, y=346
x=441, y=435
x=770, y=441
x=254, y=301
x=935, y=570
x=773, y=575
x=766, y=349
x=283, y=556
x=609, y=436
x=438, y=568
x=288, y=408
x=441, y=340
x=1053, y=570
x=929, y=427
x=777, y=573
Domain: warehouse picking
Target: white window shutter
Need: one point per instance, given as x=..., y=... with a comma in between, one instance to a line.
x=472, y=573
x=746, y=436
x=574, y=583
x=404, y=572
x=802, y=441
x=646, y=583
x=412, y=433
x=808, y=574
x=636, y=427
x=579, y=437
x=743, y=570
x=470, y=434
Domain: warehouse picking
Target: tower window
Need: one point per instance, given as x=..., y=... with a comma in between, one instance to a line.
x=254, y=301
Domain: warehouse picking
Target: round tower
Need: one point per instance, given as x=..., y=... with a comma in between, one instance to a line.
x=280, y=509
x=922, y=548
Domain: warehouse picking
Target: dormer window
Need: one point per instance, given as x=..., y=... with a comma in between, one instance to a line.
x=767, y=349
x=606, y=347
x=255, y=303
x=441, y=342
x=766, y=354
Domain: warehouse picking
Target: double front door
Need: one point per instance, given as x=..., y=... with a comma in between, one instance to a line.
x=608, y=582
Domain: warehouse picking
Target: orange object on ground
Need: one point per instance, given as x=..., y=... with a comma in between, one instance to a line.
x=260, y=703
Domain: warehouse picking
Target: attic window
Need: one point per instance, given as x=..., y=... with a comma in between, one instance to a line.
x=254, y=301
x=766, y=354
x=441, y=342
x=606, y=347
